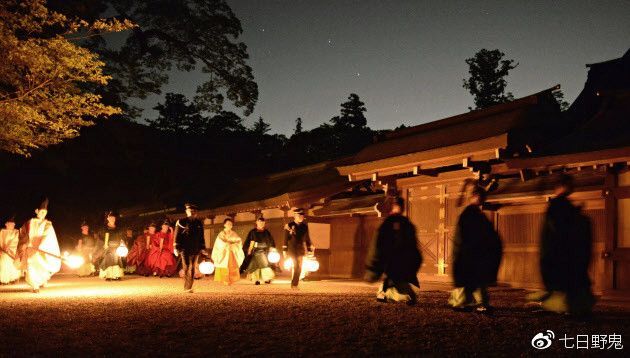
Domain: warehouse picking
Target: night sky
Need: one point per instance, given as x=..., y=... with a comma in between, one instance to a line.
x=405, y=59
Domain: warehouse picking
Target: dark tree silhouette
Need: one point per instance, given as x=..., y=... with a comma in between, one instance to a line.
x=177, y=115
x=351, y=113
x=487, y=83
x=260, y=127
x=207, y=40
x=298, y=126
x=225, y=122
x=559, y=96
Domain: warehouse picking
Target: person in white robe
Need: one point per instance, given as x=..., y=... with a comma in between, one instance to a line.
x=227, y=254
x=9, y=238
x=39, y=249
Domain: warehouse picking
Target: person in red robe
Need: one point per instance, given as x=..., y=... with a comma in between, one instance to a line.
x=139, y=251
x=160, y=260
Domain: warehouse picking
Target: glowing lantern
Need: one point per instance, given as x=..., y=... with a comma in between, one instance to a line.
x=206, y=268
x=122, y=250
x=74, y=261
x=273, y=256
x=288, y=264
x=311, y=264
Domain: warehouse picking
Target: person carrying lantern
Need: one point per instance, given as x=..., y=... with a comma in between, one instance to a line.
x=296, y=244
x=189, y=242
x=259, y=243
x=111, y=265
x=86, y=247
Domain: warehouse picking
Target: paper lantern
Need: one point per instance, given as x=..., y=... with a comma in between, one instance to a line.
x=74, y=261
x=311, y=264
x=206, y=268
x=288, y=264
x=122, y=251
x=273, y=256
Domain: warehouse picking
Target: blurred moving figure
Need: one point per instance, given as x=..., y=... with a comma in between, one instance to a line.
x=86, y=247
x=394, y=253
x=565, y=255
x=477, y=252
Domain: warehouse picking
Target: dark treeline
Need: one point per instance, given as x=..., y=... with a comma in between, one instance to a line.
x=179, y=156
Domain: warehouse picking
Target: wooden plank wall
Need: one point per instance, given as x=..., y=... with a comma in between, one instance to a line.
x=349, y=243
x=520, y=227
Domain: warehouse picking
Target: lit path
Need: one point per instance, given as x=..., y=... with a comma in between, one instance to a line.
x=152, y=317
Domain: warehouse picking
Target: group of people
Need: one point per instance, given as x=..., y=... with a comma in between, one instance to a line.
x=151, y=253
x=231, y=256
x=33, y=251
x=565, y=253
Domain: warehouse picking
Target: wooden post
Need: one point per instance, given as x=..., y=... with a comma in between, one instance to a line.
x=611, y=229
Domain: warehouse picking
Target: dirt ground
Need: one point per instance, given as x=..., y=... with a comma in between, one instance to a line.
x=152, y=317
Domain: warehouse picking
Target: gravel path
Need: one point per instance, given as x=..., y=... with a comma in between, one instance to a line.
x=152, y=317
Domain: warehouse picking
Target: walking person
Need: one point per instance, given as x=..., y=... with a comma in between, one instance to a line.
x=296, y=243
x=86, y=247
x=477, y=252
x=160, y=260
x=394, y=254
x=565, y=254
x=189, y=242
x=9, y=238
x=111, y=266
x=39, y=249
x=227, y=254
x=259, y=242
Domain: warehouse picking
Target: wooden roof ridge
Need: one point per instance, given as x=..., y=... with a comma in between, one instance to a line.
x=472, y=115
x=607, y=62
x=307, y=169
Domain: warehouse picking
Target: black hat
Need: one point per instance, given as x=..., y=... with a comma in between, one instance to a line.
x=44, y=204
x=299, y=211
x=190, y=206
x=166, y=222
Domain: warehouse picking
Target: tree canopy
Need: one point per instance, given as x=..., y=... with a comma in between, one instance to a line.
x=162, y=42
x=45, y=75
x=487, y=83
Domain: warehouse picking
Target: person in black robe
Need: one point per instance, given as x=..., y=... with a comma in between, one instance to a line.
x=394, y=253
x=189, y=243
x=477, y=252
x=565, y=254
x=259, y=242
x=296, y=243
x=111, y=265
x=86, y=247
